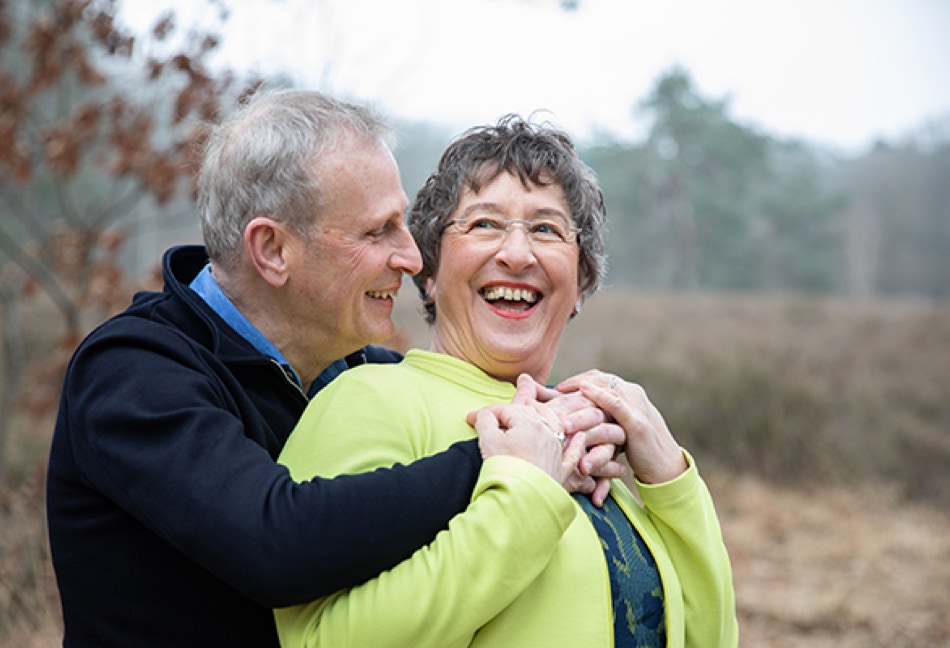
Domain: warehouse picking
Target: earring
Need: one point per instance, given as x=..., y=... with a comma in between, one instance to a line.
x=577, y=308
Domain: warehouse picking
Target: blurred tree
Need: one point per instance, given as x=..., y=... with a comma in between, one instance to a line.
x=708, y=203
x=802, y=245
x=89, y=129
x=418, y=149
x=899, y=219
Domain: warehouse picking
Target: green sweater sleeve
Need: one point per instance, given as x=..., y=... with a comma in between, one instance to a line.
x=442, y=594
x=684, y=515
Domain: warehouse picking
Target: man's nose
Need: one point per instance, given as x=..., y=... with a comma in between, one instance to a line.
x=406, y=257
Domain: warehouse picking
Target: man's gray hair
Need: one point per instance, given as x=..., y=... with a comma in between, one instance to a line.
x=262, y=161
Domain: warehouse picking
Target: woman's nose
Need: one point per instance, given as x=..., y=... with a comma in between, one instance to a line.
x=516, y=251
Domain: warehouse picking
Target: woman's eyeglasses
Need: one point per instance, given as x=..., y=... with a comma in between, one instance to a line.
x=493, y=229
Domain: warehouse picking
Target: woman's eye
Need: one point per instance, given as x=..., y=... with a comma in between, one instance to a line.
x=486, y=224
x=548, y=228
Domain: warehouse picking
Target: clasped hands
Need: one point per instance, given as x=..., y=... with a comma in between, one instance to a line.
x=598, y=416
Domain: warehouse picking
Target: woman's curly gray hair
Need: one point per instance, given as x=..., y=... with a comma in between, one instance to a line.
x=538, y=155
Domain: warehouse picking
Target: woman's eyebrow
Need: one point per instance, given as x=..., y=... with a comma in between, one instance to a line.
x=495, y=208
x=550, y=211
x=488, y=207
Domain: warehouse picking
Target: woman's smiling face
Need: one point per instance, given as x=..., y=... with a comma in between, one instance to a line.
x=502, y=300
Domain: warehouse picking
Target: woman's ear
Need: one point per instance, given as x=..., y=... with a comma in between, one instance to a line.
x=266, y=244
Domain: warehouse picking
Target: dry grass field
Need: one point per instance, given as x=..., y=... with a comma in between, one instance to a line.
x=823, y=429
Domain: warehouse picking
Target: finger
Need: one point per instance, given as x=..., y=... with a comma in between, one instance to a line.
x=596, y=458
x=579, y=483
x=574, y=382
x=611, y=402
x=545, y=394
x=486, y=421
x=567, y=405
x=575, y=450
x=497, y=410
x=526, y=391
x=586, y=419
x=601, y=490
x=489, y=432
x=504, y=412
x=501, y=411
x=610, y=470
x=605, y=433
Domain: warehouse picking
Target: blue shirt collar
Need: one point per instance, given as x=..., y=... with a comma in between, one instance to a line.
x=208, y=289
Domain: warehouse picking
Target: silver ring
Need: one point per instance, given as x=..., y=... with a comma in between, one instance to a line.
x=613, y=381
x=557, y=433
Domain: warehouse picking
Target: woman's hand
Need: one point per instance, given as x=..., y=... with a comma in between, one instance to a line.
x=651, y=450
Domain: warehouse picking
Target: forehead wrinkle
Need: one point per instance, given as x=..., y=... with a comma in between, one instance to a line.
x=485, y=206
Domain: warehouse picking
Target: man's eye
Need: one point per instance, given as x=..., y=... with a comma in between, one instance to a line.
x=382, y=231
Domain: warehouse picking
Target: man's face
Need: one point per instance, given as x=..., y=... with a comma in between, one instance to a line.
x=353, y=265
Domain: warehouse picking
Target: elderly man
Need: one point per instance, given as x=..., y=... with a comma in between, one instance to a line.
x=170, y=522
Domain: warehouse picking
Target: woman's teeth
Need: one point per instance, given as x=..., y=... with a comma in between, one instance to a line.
x=510, y=294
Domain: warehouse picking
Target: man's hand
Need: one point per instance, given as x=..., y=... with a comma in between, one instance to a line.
x=577, y=415
x=531, y=431
x=519, y=431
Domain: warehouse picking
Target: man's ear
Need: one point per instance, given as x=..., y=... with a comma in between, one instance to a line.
x=265, y=241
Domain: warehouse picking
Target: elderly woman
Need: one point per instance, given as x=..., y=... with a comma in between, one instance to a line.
x=511, y=230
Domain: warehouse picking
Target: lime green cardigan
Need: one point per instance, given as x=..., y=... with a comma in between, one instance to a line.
x=523, y=565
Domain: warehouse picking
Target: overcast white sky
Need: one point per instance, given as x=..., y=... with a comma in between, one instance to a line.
x=836, y=72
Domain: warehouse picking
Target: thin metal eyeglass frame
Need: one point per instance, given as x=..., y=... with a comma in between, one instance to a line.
x=573, y=232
